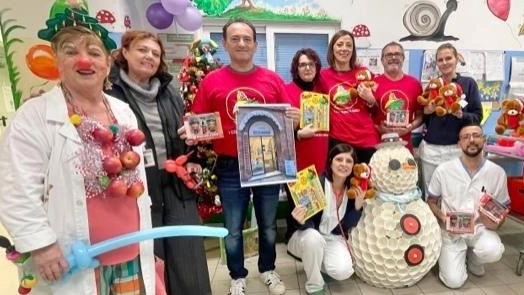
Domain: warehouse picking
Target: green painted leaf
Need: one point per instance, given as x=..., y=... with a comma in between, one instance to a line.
x=10, y=42
x=6, y=33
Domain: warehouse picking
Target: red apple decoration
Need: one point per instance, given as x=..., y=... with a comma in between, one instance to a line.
x=136, y=189
x=135, y=137
x=130, y=159
x=112, y=165
x=103, y=135
x=117, y=188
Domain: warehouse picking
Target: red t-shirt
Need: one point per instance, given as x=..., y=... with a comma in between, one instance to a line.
x=350, y=117
x=313, y=150
x=221, y=89
x=397, y=95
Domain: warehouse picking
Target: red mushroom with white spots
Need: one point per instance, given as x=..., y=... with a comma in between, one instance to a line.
x=105, y=17
x=361, y=34
x=127, y=22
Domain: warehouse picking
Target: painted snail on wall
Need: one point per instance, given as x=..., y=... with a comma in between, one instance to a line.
x=424, y=22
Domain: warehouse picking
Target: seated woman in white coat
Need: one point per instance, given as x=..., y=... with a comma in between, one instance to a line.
x=322, y=240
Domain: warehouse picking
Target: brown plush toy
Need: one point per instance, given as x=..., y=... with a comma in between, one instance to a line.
x=510, y=117
x=431, y=94
x=451, y=94
x=360, y=178
x=366, y=77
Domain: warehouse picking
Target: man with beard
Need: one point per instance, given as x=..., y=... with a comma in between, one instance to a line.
x=396, y=96
x=456, y=186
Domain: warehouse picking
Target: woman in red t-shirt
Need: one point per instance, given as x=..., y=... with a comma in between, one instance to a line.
x=310, y=145
x=351, y=102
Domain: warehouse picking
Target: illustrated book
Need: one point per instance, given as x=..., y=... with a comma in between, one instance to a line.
x=314, y=110
x=307, y=191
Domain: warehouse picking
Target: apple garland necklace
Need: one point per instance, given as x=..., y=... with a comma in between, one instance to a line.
x=106, y=160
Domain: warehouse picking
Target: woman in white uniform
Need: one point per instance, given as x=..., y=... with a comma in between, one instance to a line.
x=322, y=240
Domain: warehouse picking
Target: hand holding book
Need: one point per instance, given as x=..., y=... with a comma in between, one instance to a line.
x=299, y=214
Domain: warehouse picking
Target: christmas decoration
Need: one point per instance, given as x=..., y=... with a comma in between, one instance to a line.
x=75, y=15
x=195, y=67
x=397, y=240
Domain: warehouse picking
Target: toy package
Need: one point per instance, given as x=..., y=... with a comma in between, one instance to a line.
x=492, y=208
x=458, y=222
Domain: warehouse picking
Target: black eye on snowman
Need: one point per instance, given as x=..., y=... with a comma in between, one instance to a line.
x=394, y=164
x=411, y=162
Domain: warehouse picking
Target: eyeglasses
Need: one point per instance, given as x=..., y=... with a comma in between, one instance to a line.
x=468, y=136
x=303, y=65
x=394, y=54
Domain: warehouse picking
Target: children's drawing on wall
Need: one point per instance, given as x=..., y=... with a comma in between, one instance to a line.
x=280, y=10
x=489, y=90
x=429, y=66
x=425, y=23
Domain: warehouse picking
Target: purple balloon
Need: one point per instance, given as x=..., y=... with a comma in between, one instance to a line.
x=175, y=7
x=158, y=17
x=191, y=20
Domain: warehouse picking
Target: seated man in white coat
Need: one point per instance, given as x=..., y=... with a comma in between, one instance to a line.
x=456, y=186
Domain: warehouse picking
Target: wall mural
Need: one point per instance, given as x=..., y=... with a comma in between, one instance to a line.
x=419, y=23
x=424, y=22
x=279, y=10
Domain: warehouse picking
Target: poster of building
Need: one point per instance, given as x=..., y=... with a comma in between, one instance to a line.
x=266, y=145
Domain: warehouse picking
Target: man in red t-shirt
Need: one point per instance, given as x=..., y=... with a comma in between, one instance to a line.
x=243, y=82
x=396, y=95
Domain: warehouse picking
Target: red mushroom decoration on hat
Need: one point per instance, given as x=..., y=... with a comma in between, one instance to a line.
x=105, y=17
x=127, y=22
x=361, y=34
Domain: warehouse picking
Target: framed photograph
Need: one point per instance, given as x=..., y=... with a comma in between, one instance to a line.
x=203, y=127
x=307, y=191
x=460, y=222
x=314, y=110
x=266, y=145
x=397, y=118
x=492, y=208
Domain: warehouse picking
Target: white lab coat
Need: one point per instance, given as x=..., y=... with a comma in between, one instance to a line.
x=42, y=196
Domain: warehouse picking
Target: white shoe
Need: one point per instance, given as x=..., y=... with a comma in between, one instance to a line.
x=476, y=269
x=238, y=287
x=272, y=280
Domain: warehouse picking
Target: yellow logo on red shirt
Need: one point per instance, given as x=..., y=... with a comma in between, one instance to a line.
x=240, y=96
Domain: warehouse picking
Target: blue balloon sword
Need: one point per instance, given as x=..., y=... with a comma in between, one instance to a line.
x=82, y=255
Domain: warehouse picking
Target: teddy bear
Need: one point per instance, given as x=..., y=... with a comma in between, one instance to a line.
x=510, y=117
x=365, y=77
x=431, y=94
x=450, y=94
x=360, y=178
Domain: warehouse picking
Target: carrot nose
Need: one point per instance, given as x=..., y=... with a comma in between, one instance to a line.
x=83, y=63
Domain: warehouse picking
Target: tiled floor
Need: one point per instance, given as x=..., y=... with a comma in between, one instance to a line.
x=500, y=278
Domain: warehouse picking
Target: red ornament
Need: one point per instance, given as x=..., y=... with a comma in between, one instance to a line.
x=117, y=189
x=130, y=159
x=410, y=224
x=414, y=255
x=135, y=137
x=136, y=189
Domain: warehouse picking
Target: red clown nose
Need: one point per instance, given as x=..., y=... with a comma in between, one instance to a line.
x=83, y=63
